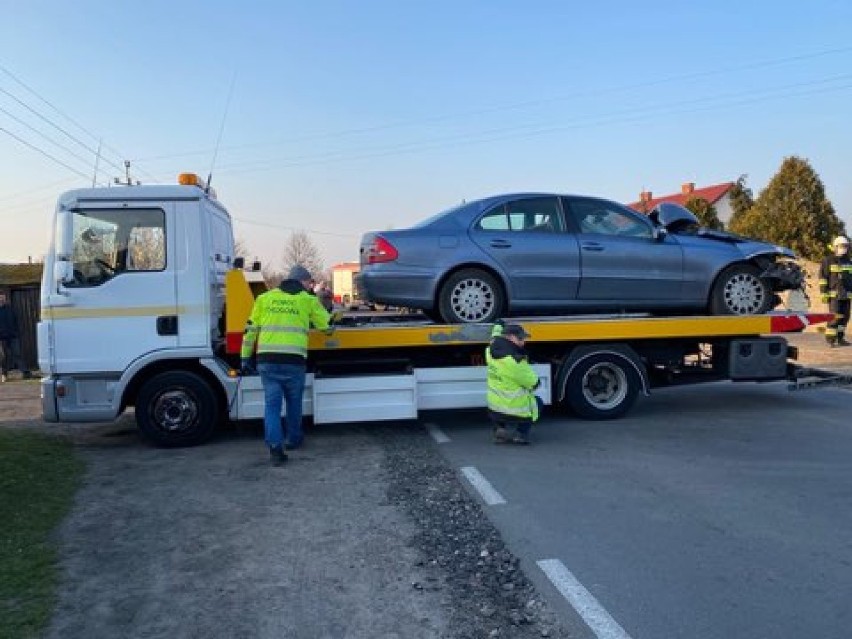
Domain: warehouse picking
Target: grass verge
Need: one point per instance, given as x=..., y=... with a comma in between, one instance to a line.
x=38, y=477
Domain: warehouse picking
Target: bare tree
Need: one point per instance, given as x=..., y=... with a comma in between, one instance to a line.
x=241, y=249
x=147, y=249
x=301, y=250
x=271, y=276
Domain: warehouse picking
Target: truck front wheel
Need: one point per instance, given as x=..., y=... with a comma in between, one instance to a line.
x=602, y=386
x=176, y=409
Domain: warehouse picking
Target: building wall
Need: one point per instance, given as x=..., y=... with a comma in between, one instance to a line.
x=724, y=209
x=26, y=305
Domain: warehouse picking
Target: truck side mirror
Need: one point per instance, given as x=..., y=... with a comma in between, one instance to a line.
x=660, y=234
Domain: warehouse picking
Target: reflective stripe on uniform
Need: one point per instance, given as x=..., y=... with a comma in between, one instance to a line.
x=509, y=394
x=509, y=410
x=272, y=328
x=290, y=349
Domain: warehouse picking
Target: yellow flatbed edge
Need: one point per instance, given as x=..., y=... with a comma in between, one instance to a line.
x=566, y=330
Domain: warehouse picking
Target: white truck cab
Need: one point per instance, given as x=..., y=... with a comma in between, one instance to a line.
x=133, y=282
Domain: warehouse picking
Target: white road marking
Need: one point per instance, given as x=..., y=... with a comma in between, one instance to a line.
x=584, y=602
x=437, y=434
x=483, y=486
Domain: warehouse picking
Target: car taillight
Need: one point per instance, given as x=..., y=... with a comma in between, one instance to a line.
x=381, y=251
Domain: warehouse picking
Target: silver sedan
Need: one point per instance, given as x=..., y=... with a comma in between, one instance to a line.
x=534, y=253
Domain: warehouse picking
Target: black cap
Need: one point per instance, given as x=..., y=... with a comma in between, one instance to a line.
x=515, y=329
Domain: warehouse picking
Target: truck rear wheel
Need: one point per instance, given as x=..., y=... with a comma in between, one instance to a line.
x=602, y=386
x=176, y=409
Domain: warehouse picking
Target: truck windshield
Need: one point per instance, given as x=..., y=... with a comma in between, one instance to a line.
x=107, y=242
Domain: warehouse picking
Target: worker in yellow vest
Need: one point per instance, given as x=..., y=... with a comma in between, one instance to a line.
x=512, y=402
x=276, y=336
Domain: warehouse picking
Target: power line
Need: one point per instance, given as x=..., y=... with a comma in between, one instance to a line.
x=44, y=136
x=49, y=103
x=293, y=228
x=68, y=118
x=39, y=204
x=529, y=130
x=525, y=104
x=58, y=128
x=56, y=109
x=37, y=189
x=44, y=153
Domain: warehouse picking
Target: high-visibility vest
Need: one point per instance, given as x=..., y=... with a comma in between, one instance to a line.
x=510, y=387
x=279, y=323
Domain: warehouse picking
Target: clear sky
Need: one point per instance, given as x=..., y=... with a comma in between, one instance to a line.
x=362, y=115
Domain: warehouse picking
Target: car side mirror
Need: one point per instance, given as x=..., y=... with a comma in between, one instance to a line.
x=660, y=234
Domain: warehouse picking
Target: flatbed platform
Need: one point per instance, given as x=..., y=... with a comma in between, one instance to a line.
x=597, y=328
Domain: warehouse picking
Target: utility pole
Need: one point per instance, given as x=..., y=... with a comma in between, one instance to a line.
x=97, y=162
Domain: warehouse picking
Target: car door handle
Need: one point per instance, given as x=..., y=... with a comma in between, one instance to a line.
x=592, y=246
x=501, y=244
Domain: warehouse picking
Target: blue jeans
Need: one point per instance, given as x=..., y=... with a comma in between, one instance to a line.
x=282, y=383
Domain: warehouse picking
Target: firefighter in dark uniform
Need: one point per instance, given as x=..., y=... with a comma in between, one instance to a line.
x=835, y=286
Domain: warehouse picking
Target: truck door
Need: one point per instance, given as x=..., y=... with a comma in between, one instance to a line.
x=121, y=303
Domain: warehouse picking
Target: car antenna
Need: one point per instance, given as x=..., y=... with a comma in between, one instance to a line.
x=221, y=130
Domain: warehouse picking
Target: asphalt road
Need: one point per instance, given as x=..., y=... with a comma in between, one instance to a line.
x=720, y=511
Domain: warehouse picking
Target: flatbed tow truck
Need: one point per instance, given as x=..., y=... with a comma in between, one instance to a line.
x=157, y=325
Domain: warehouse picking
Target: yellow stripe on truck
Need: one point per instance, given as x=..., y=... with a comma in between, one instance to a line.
x=69, y=312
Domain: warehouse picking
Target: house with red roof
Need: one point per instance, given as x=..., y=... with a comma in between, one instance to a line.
x=343, y=282
x=719, y=195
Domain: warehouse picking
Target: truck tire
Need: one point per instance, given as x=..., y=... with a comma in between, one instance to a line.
x=177, y=408
x=739, y=290
x=602, y=386
x=471, y=296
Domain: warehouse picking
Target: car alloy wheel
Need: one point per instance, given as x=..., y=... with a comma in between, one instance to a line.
x=744, y=294
x=472, y=300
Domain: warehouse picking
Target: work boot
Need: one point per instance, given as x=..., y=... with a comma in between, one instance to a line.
x=3, y=378
x=523, y=440
x=277, y=456
x=842, y=342
x=501, y=435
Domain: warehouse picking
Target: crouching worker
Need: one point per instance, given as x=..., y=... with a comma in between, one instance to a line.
x=512, y=403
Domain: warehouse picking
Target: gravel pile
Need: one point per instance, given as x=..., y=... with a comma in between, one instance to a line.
x=462, y=553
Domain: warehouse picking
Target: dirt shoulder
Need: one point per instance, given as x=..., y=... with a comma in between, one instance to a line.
x=366, y=533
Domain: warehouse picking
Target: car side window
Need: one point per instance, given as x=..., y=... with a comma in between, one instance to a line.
x=494, y=220
x=530, y=215
x=607, y=218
